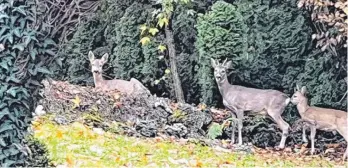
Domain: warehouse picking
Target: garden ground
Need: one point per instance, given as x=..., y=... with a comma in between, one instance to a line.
x=78, y=145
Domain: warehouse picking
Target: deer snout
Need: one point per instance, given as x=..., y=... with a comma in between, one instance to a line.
x=218, y=77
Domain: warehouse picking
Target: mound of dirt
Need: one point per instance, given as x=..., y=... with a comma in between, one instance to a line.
x=144, y=114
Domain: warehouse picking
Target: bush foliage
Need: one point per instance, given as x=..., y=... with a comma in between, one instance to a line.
x=268, y=41
x=25, y=52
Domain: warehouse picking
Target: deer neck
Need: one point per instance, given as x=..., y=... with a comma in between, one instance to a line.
x=223, y=86
x=302, y=106
x=98, y=79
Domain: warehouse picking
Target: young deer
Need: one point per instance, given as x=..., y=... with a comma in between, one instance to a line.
x=239, y=99
x=128, y=87
x=319, y=118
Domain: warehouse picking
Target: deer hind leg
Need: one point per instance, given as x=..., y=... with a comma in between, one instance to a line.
x=304, y=138
x=139, y=86
x=313, y=132
x=284, y=126
x=344, y=132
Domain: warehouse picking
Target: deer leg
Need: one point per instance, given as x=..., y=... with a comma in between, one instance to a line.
x=313, y=132
x=240, y=116
x=283, y=126
x=304, y=138
x=344, y=133
x=233, y=132
x=233, y=128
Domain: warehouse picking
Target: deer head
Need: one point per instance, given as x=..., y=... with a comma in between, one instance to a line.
x=220, y=70
x=299, y=95
x=97, y=64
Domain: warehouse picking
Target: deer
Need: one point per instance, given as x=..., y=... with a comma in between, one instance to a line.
x=239, y=100
x=325, y=119
x=128, y=87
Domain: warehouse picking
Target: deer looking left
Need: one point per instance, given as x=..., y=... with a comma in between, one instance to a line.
x=127, y=87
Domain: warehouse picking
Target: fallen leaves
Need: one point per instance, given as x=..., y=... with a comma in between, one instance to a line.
x=59, y=134
x=76, y=102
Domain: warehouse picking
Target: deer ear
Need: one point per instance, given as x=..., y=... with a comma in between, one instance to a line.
x=303, y=90
x=213, y=63
x=90, y=56
x=105, y=58
x=228, y=64
x=297, y=87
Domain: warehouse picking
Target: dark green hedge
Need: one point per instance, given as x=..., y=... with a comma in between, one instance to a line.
x=23, y=59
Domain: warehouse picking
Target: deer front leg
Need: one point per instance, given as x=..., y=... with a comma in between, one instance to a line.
x=313, y=132
x=240, y=116
x=233, y=128
x=304, y=138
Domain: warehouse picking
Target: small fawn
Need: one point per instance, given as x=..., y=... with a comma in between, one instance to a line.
x=319, y=118
x=128, y=87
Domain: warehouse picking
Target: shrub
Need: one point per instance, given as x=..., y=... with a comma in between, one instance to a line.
x=25, y=52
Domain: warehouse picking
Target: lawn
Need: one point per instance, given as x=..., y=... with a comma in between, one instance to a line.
x=78, y=145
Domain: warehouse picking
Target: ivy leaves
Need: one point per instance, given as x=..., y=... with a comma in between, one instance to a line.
x=24, y=51
x=161, y=20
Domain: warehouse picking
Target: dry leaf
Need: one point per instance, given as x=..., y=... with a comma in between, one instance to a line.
x=69, y=160
x=76, y=101
x=59, y=134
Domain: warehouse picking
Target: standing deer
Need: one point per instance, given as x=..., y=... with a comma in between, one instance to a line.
x=239, y=99
x=319, y=118
x=128, y=87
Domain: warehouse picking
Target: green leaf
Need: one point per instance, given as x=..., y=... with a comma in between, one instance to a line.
x=162, y=48
x=49, y=41
x=214, y=130
x=2, y=90
x=3, y=29
x=20, y=47
x=153, y=31
x=58, y=61
x=13, y=79
x=10, y=38
x=13, y=20
x=4, y=64
x=143, y=28
x=144, y=40
x=33, y=54
x=50, y=52
x=27, y=40
x=3, y=16
x=163, y=22
x=17, y=32
x=20, y=9
x=6, y=127
x=4, y=112
x=43, y=70
x=2, y=142
x=12, y=91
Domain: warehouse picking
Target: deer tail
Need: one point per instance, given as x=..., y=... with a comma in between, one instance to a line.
x=287, y=101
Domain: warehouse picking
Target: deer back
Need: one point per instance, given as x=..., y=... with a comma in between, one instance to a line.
x=120, y=85
x=254, y=100
x=325, y=118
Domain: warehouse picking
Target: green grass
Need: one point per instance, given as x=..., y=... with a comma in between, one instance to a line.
x=79, y=146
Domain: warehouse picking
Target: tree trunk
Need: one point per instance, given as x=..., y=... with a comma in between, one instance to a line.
x=172, y=59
